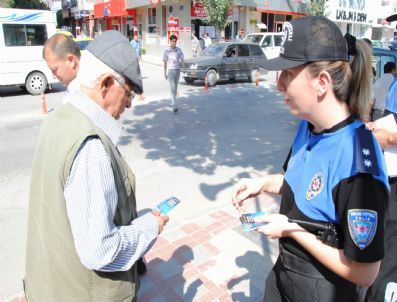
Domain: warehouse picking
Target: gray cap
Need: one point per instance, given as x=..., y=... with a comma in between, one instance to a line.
x=113, y=49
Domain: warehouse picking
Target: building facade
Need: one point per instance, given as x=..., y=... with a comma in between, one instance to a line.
x=156, y=20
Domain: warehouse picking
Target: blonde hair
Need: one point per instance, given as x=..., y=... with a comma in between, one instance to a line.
x=352, y=81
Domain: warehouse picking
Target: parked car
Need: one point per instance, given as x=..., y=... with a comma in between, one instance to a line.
x=225, y=61
x=269, y=41
x=82, y=42
x=380, y=57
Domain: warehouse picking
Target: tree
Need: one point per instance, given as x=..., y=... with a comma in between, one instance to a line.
x=6, y=3
x=28, y=4
x=218, y=12
x=317, y=7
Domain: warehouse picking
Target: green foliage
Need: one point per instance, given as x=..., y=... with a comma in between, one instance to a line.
x=217, y=12
x=29, y=4
x=60, y=21
x=317, y=7
x=6, y=3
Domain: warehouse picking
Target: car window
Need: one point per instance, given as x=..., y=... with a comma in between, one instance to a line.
x=379, y=60
x=24, y=34
x=213, y=50
x=267, y=41
x=277, y=40
x=243, y=51
x=255, y=39
x=231, y=51
x=255, y=50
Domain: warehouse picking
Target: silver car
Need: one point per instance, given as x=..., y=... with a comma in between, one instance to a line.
x=225, y=61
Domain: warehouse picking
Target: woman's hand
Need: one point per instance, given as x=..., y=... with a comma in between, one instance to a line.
x=244, y=189
x=278, y=226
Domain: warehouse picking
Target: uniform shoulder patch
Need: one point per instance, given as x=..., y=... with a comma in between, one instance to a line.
x=316, y=186
x=366, y=159
x=362, y=226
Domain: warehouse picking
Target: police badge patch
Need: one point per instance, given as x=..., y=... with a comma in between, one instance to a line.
x=362, y=226
x=315, y=187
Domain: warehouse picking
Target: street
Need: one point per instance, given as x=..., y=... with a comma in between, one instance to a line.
x=234, y=130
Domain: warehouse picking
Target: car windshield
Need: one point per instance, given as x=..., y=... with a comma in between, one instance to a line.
x=253, y=39
x=83, y=44
x=214, y=50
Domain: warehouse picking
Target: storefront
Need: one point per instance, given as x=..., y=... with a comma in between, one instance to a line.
x=275, y=13
x=113, y=15
x=354, y=17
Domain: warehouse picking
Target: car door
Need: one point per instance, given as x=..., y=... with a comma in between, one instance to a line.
x=230, y=65
x=267, y=46
x=244, y=60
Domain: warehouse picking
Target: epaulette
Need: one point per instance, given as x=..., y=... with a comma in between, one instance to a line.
x=366, y=159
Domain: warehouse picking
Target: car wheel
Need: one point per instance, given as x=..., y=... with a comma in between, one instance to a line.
x=36, y=83
x=252, y=76
x=212, y=77
x=189, y=80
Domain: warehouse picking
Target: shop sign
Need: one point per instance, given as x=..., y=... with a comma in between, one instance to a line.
x=198, y=10
x=343, y=15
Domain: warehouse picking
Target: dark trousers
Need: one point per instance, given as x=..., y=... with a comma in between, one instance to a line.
x=388, y=267
x=294, y=279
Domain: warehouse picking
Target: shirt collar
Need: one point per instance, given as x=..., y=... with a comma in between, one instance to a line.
x=97, y=115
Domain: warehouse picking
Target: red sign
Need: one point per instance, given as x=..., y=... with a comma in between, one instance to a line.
x=197, y=10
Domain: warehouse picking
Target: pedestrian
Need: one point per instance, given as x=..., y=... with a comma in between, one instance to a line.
x=62, y=56
x=84, y=235
x=173, y=61
x=207, y=40
x=331, y=221
x=196, y=49
x=136, y=45
x=391, y=100
x=381, y=87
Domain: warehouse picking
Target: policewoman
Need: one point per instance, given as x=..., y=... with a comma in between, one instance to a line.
x=334, y=189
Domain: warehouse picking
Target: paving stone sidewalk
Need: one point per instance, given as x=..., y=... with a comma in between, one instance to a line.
x=207, y=258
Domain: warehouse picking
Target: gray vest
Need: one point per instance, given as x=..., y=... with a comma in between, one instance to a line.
x=53, y=269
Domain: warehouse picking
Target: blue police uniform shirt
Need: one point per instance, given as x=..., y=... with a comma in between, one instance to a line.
x=391, y=99
x=338, y=176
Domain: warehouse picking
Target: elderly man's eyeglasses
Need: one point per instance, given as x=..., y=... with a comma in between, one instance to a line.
x=128, y=92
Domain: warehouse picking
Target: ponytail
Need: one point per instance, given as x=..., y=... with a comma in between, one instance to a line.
x=361, y=84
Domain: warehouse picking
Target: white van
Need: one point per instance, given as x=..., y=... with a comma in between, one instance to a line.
x=23, y=33
x=269, y=41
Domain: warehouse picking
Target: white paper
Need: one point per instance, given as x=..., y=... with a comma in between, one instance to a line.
x=388, y=123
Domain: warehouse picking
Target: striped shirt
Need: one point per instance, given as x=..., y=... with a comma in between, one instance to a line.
x=91, y=202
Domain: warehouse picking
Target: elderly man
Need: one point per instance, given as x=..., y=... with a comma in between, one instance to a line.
x=84, y=236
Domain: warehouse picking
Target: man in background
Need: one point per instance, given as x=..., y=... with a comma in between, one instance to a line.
x=207, y=40
x=173, y=59
x=381, y=87
x=196, y=49
x=62, y=56
x=136, y=45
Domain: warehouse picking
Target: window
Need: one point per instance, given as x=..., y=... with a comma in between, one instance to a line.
x=379, y=60
x=243, y=51
x=267, y=41
x=24, y=35
x=277, y=40
x=151, y=20
x=256, y=50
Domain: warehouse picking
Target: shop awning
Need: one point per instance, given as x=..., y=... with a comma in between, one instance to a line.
x=283, y=6
x=139, y=3
x=113, y=8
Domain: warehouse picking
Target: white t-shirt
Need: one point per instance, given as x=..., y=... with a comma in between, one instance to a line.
x=381, y=87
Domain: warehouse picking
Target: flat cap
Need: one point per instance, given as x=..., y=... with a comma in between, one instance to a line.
x=114, y=50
